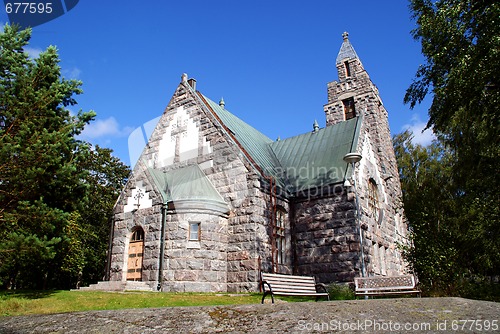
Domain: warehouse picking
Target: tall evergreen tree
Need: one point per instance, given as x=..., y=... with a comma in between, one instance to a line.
x=40, y=182
x=46, y=174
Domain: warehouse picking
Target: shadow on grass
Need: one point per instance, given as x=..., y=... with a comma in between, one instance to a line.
x=26, y=294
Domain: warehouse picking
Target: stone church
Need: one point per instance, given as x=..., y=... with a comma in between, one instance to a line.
x=212, y=202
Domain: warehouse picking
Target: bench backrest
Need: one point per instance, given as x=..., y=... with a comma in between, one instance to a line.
x=387, y=283
x=289, y=283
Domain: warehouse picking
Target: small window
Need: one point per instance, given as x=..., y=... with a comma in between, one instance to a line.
x=373, y=202
x=349, y=110
x=194, y=231
x=382, y=256
x=138, y=235
x=347, y=69
x=376, y=259
x=280, y=238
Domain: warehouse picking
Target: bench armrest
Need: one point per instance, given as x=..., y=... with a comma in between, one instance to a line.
x=267, y=291
x=321, y=286
x=263, y=284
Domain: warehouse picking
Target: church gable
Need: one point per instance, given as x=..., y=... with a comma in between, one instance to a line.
x=139, y=198
x=178, y=137
x=181, y=140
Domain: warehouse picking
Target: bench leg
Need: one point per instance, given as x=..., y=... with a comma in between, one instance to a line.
x=265, y=294
x=327, y=297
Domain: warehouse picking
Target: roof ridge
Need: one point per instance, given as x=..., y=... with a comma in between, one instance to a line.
x=253, y=143
x=213, y=103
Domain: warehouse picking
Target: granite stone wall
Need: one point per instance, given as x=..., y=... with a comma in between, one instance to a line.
x=327, y=243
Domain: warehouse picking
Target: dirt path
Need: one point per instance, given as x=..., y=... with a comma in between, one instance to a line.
x=404, y=315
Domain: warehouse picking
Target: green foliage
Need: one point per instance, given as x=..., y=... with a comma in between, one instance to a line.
x=453, y=200
x=340, y=292
x=461, y=42
x=441, y=234
x=22, y=256
x=427, y=198
x=50, y=220
x=105, y=180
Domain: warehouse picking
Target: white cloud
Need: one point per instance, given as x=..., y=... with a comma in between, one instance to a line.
x=108, y=127
x=416, y=126
x=72, y=73
x=32, y=52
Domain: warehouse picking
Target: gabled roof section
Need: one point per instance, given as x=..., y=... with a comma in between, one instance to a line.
x=254, y=142
x=346, y=50
x=315, y=159
x=188, y=188
x=299, y=163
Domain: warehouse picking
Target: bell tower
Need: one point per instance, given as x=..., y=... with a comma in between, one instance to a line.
x=353, y=94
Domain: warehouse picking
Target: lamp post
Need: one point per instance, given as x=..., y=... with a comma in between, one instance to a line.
x=352, y=159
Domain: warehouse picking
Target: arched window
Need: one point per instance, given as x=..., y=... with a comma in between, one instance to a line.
x=138, y=235
x=373, y=201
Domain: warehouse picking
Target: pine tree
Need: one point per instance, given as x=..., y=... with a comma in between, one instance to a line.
x=41, y=183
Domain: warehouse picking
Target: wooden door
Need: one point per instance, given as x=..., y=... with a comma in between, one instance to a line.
x=135, y=253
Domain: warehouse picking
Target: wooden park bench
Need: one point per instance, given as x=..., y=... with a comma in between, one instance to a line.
x=288, y=285
x=385, y=285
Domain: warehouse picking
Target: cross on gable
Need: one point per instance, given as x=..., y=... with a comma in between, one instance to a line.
x=178, y=129
x=138, y=196
x=181, y=139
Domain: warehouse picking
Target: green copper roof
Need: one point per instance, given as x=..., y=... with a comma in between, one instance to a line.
x=315, y=159
x=188, y=188
x=299, y=163
x=253, y=141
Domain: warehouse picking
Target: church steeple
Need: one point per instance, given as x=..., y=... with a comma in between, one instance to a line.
x=346, y=50
x=352, y=94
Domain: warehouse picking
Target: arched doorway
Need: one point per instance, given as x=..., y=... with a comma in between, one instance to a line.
x=135, y=254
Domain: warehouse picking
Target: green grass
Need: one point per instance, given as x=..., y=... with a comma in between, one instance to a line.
x=47, y=302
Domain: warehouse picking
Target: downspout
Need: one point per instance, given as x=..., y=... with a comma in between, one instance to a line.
x=107, y=273
x=162, y=246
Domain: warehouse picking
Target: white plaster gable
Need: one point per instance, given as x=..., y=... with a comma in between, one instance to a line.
x=139, y=199
x=166, y=150
x=368, y=168
x=181, y=134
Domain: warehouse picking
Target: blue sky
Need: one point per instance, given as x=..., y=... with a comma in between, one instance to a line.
x=270, y=60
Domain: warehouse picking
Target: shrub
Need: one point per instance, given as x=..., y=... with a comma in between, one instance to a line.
x=340, y=292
